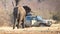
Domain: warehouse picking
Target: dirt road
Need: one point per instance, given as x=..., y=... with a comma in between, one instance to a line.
x=31, y=30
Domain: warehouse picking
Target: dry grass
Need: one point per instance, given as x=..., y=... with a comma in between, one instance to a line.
x=45, y=8
x=30, y=30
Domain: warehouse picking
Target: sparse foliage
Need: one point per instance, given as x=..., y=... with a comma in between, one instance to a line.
x=56, y=16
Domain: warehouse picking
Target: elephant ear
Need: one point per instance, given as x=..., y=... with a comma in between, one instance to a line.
x=27, y=9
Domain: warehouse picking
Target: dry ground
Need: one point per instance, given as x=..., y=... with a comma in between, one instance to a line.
x=54, y=29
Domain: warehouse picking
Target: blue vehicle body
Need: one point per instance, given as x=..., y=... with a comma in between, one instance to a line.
x=39, y=20
x=29, y=18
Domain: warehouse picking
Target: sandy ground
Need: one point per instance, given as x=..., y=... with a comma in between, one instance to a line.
x=54, y=29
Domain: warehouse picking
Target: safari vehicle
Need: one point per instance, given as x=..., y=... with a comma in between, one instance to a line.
x=36, y=21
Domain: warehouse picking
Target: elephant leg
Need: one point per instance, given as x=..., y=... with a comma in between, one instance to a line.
x=23, y=24
x=19, y=22
x=15, y=16
x=14, y=23
x=18, y=25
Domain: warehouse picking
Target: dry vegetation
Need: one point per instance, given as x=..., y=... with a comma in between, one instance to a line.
x=46, y=9
x=54, y=29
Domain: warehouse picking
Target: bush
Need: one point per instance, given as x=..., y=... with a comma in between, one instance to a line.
x=56, y=16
